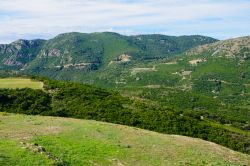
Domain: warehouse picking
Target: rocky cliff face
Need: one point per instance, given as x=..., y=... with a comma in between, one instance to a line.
x=20, y=52
x=233, y=48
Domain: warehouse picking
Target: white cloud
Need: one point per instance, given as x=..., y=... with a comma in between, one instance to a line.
x=26, y=19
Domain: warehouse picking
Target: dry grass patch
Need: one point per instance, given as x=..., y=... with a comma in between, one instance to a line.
x=14, y=83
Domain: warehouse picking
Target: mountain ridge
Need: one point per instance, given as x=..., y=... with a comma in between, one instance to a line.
x=230, y=47
x=95, y=47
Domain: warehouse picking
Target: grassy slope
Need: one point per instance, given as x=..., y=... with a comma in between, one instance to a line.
x=82, y=142
x=86, y=102
x=20, y=83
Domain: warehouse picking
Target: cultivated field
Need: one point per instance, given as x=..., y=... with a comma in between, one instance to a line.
x=36, y=140
x=14, y=83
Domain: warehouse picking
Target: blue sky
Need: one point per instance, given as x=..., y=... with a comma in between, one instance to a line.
x=28, y=19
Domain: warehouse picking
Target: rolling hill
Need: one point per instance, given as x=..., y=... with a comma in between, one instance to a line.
x=38, y=140
x=66, y=99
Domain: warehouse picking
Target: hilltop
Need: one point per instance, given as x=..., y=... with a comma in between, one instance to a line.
x=37, y=140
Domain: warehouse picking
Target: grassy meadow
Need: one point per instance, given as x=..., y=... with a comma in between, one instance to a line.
x=37, y=140
x=14, y=83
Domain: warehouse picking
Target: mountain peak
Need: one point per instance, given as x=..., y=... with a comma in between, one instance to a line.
x=230, y=48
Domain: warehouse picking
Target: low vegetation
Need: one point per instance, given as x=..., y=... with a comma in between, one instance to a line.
x=87, y=102
x=40, y=140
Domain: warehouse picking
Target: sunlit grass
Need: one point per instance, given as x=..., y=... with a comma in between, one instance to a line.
x=14, y=83
x=85, y=142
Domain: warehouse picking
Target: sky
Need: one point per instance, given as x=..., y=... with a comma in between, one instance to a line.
x=32, y=19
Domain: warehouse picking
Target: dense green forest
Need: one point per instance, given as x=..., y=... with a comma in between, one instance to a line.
x=75, y=100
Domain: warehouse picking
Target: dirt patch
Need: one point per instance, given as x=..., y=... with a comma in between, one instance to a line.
x=77, y=65
x=124, y=58
x=153, y=86
x=121, y=59
x=197, y=61
x=171, y=63
x=186, y=73
x=140, y=70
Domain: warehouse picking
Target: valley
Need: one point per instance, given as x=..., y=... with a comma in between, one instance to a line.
x=192, y=86
x=124, y=83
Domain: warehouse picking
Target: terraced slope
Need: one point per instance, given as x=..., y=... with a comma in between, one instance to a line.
x=36, y=140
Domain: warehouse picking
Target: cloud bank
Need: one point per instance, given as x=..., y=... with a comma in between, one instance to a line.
x=46, y=18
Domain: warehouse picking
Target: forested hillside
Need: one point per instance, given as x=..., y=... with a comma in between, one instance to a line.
x=87, y=102
x=81, y=52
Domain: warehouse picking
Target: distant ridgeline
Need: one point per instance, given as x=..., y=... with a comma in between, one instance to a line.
x=88, y=102
x=78, y=52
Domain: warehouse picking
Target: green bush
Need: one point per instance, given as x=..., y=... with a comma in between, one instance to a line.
x=87, y=102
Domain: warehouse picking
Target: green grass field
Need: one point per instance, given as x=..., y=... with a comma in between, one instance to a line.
x=14, y=83
x=83, y=142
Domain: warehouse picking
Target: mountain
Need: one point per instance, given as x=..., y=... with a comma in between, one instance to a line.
x=232, y=48
x=213, y=80
x=201, y=80
x=223, y=67
x=41, y=140
x=17, y=54
x=91, y=51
